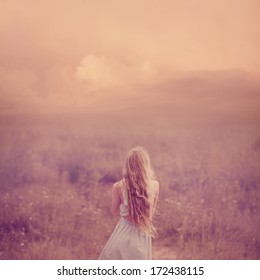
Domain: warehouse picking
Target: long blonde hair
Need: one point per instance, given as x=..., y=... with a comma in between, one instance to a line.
x=137, y=173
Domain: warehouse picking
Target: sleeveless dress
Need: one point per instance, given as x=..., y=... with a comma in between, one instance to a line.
x=127, y=242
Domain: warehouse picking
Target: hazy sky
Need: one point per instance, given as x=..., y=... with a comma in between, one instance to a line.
x=60, y=55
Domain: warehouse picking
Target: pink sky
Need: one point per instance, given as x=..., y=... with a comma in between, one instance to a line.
x=67, y=55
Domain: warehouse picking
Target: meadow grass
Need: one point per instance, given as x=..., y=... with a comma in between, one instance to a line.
x=56, y=179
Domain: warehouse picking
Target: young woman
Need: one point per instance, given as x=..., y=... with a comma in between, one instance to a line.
x=134, y=198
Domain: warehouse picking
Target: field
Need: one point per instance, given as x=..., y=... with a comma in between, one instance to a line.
x=56, y=176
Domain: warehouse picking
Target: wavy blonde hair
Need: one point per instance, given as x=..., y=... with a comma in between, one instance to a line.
x=137, y=173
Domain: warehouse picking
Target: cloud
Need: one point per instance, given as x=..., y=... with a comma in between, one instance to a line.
x=17, y=86
x=101, y=72
x=71, y=55
x=207, y=94
x=32, y=90
x=14, y=81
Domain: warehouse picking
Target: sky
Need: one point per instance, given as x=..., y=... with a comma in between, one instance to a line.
x=82, y=55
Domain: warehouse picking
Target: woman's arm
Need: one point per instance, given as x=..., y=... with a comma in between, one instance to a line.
x=115, y=200
x=154, y=206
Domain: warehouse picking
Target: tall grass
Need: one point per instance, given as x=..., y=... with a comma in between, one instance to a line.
x=56, y=179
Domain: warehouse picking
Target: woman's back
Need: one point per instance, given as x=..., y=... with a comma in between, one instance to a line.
x=152, y=190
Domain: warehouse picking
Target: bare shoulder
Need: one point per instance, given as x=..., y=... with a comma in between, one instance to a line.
x=117, y=186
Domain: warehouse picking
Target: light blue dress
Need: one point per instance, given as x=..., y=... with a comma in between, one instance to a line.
x=127, y=242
